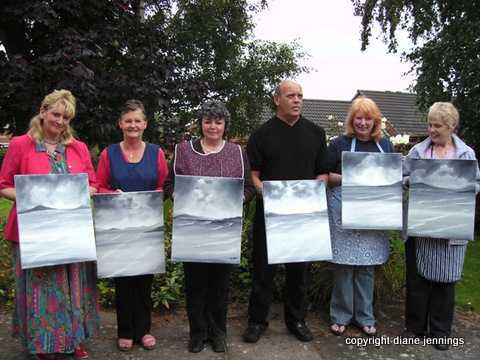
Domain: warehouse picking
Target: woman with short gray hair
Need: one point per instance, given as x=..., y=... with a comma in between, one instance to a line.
x=433, y=266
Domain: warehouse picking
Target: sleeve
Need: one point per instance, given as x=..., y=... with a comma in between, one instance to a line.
x=87, y=160
x=333, y=160
x=10, y=165
x=254, y=152
x=248, y=187
x=162, y=169
x=321, y=166
x=103, y=173
x=169, y=185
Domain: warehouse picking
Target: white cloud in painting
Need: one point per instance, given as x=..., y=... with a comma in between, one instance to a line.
x=128, y=210
x=54, y=191
x=445, y=175
x=294, y=197
x=208, y=197
x=371, y=169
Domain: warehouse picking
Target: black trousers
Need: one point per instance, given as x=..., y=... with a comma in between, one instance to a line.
x=134, y=306
x=206, y=291
x=295, y=301
x=429, y=305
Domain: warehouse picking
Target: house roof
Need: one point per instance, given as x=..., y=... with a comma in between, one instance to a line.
x=399, y=108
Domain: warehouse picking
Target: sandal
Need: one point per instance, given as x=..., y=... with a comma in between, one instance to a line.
x=80, y=352
x=148, y=342
x=124, y=344
x=337, y=329
x=369, y=330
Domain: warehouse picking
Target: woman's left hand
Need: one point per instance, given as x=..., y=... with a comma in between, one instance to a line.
x=92, y=190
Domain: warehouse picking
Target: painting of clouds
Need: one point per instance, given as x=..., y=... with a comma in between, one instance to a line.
x=441, y=201
x=207, y=219
x=129, y=233
x=371, y=191
x=54, y=220
x=296, y=221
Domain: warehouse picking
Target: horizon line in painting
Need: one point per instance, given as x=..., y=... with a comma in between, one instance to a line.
x=296, y=221
x=207, y=219
x=442, y=198
x=129, y=231
x=372, y=191
x=49, y=207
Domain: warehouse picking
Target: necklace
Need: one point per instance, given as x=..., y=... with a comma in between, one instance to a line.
x=133, y=154
x=209, y=149
x=51, y=142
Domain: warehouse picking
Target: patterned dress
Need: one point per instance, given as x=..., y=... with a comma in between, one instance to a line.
x=56, y=307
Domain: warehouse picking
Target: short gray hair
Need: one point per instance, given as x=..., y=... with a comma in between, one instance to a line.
x=213, y=109
x=445, y=112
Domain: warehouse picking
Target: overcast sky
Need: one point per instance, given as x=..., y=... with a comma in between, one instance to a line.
x=330, y=34
x=208, y=197
x=54, y=191
x=294, y=196
x=371, y=169
x=448, y=174
x=128, y=210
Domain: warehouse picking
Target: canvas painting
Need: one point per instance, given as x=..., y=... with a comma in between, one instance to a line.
x=371, y=191
x=441, y=200
x=129, y=233
x=54, y=220
x=207, y=219
x=296, y=221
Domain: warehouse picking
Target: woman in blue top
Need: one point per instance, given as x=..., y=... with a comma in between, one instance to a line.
x=132, y=165
x=355, y=252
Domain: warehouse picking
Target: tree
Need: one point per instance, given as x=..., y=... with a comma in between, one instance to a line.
x=445, y=54
x=171, y=54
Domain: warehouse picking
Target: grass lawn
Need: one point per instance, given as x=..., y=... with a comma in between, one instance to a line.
x=468, y=289
x=4, y=207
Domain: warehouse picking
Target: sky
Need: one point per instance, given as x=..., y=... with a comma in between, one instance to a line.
x=447, y=174
x=208, y=197
x=294, y=197
x=54, y=191
x=128, y=210
x=371, y=169
x=329, y=32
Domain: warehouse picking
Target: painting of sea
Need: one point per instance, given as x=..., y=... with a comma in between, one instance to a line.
x=296, y=221
x=129, y=233
x=207, y=219
x=441, y=200
x=371, y=191
x=54, y=220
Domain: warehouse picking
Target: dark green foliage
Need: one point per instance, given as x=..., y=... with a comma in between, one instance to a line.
x=171, y=54
x=446, y=44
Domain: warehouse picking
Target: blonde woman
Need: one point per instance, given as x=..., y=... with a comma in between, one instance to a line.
x=55, y=306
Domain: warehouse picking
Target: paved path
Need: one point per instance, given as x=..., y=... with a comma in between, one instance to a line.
x=277, y=344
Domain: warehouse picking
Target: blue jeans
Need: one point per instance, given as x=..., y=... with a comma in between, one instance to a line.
x=352, y=295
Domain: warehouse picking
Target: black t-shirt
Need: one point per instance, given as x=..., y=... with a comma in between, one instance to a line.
x=344, y=143
x=283, y=152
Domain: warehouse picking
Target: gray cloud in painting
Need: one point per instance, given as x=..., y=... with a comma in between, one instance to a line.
x=115, y=210
x=371, y=169
x=446, y=174
x=53, y=191
x=294, y=197
x=213, y=198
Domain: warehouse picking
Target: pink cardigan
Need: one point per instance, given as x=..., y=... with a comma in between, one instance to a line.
x=23, y=159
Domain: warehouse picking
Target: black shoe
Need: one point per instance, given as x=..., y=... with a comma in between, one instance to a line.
x=196, y=345
x=441, y=347
x=301, y=331
x=253, y=333
x=219, y=344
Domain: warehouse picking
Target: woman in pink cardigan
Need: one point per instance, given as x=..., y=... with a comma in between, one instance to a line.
x=56, y=306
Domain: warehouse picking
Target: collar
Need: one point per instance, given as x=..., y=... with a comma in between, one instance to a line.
x=40, y=147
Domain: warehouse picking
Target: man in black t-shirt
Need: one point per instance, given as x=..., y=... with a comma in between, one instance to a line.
x=287, y=147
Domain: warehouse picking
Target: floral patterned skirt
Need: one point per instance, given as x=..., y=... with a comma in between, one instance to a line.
x=56, y=307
